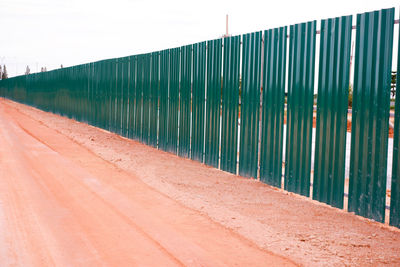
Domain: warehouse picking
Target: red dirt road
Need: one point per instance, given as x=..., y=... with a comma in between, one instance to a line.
x=72, y=194
x=60, y=204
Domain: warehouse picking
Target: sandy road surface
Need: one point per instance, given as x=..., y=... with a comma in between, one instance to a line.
x=80, y=195
x=60, y=204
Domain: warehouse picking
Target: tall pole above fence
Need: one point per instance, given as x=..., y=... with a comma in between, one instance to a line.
x=227, y=30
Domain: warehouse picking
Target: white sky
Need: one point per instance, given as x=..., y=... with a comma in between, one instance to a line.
x=54, y=32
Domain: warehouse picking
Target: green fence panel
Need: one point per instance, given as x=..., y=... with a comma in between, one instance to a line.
x=395, y=187
x=105, y=97
x=146, y=98
x=108, y=94
x=98, y=95
x=99, y=107
x=213, y=102
x=96, y=107
x=273, y=95
x=185, y=101
x=81, y=92
x=94, y=110
x=139, y=97
x=198, y=102
x=300, y=107
x=173, y=99
x=164, y=84
x=113, y=100
x=250, y=104
x=370, y=114
x=118, y=97
x=72, y=94
x=101, y=88
x=84, y=95
x=90, y=104
x=154, y=88
x=331, y=128
x=230, y=103
x=91, y=107
x=95, y=103
x=84, y=113
x=125, y=99
x=132, y=95
x=119, y=92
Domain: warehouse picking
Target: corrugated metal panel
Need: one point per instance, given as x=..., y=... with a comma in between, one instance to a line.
x=132, y=95
x=125, y=93
x=125, y=117
x=370, y=115
x=95, y=111
x=274, y=73
x=213, y=104
x=198, y=102
x=120, y=90
x=173, y=99
x=331, y=128
x=185, y=92
x=250, y=104
x=230, y=103
x=139, y=97
x=146, y=98
x=87, y=113
x=163, y=118
x=97, y=103
x=108, y=92
x=114, y=88
x=395, y=188
x=300, y=107
x=101, y=88
x=119, y=94
x=92, y=108
x=154, y=88
x=114, y=95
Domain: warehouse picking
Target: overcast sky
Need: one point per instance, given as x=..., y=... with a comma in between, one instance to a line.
x=54, y=32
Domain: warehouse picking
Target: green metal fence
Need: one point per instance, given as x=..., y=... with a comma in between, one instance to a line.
x=300, y=107
x=395, y=187
x=198, y=100
x=331, y=128
x=164, y=88
x=185, y=91
x=370, y=116
x=207, y=101
x=213, y=102
x=250, y=104
x=273, y=97
x=230, y=103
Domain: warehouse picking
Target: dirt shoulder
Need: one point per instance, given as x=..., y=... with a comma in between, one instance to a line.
x=298, y=228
